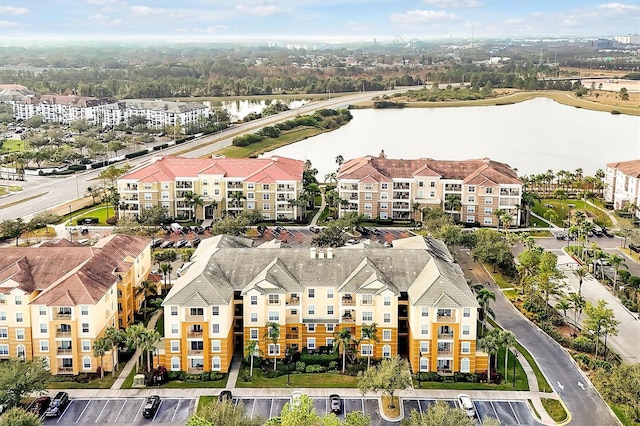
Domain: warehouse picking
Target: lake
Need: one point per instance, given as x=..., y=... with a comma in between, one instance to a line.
x=240, y=108
x=532, y=136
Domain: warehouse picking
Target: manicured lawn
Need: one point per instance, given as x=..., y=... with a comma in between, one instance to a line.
x=499, y=278
x=128, y=382
x=160, y=325
x=560, y=208
x=511, y=294
x=621, y=414
x=204, y=401
x=11, y=145
x=177, y=384
x=534, y=222
x=99, y=211
x=555, y=409
x=94, y=384
x=269, y=144
x=317, y=380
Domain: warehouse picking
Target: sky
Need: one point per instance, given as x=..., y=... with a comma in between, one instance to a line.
x=314, y=20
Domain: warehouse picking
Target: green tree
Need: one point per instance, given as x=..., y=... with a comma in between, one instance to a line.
x=580, y=272
x=370, y=334
x=507, y=339
x=390, y=375
x=484, y=298
x=563, y=305
x=194, y=201
x=12, y=229
x=149, y=340
x=135, y=338
x=490, y=343
x=616, y=261
x=100, y=347
x=271, y=336
x=18, y=417
x=624, y=94
x=439, y=414
x=250, y=351
x=578, y=304
x=621, y=385
x=223, y=413
x=343, y=340
x=114, y=336
x=600, y=321
x=155, y=215
x=19, y=379
x=230, y=226
x=493, y=248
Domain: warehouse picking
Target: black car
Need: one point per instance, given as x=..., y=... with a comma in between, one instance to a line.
x=225, y=395
x=156, y=243
x=181, y=243
x=335, y=403
x=59, y=403
x=151, y=405
x=314, y=229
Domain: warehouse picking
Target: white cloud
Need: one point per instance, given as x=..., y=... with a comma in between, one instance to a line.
x=10, y=10
x=149, y=11
x=8, y=24
x=259, y=8
x=619, y=8
x=105, y=20
x=453, y=4
x=422, y=16
x=102, y=2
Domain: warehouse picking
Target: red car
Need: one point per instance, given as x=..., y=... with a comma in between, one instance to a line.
x=39, y=405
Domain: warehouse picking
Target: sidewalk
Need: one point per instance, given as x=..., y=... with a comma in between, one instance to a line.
x=314, y=221
x=117, y=384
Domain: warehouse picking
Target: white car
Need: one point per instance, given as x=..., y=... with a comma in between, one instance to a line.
x=467, y=405
x=295, y=398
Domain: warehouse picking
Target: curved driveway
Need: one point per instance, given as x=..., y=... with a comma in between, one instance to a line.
x=585, y=405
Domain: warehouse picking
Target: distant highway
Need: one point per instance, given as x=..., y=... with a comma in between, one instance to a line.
x=42, y=194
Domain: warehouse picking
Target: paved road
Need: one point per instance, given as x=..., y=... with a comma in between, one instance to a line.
x=40, y=194
x=586, y=406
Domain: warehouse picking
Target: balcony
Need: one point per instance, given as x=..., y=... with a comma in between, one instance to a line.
x=353, y=187
x=64, y=350
x=353, y=197
x=401, y=185
x=293, y=300
x=65, y=370
x=63, y=333
x=445, y=371
x=348, y=301
x=348, y=318
x=194, y=317
x=446, y=318
x=511, y=192
x=293, y=336
x=445, y=335
x=231, y=185
x=292, y=318
x=445, y=351
x=61, y=316
x=400, y=195
x=453, y=187
x=195, y=333
x=184, y=185
x=194, y=352
x=195, y=370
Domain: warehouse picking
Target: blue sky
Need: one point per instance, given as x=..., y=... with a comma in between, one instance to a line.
x=322, y=20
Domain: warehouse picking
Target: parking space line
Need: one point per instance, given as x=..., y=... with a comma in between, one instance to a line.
x=120, y=412
x=176, y=411
x=63, y=413
x=271, y=408
x=494, y=410
x=156, y=413
x=362, y=401
x=83, y=410
x=101, y=411
x=253, y=407
x=140, y=409
x=514, y=413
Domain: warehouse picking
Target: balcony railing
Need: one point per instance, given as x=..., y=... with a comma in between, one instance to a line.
x=65, y=370
x=195, y=333
x=293, y=300
x=445, y=352
x=194, y=352
x=348, y=318
x=293, y=336
x=61, y=316
x=348, y=301
x=195, y=370
x=446, y=318
x=445, y=371
x=353, y=187
x=445, y=335
x=64, y=350
x=194, y=317
x=397, y=185
x=63, y=333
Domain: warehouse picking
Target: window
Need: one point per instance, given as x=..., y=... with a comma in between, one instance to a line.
x=253, y=334
x=421, y=184
x=20, y=334
x=215, y=346
x=18, y=300
x=368, y=186
x=254, y=317
x=421, y=194
x=471, y=188
x=471, y=209
x=368, y=206
x=44, y=346
x=42, y=310
x=384, y=215
x=250, y=186
x=487, y=221
x=274, y=299
x=174, y=328
x=174, y=311
x=466, y=330
x=330, y=341
x=386, y=334
x=329, y=293
x=86, y=363
x=384, y=186
x=432, y=194
x=266, y=207
x=466, y=312
x=84, y=310
x=265, y=186
x=367, y=316
x=164, y=195
x=366, y=350
x=386, y=351
x=4, y=333
x=311, y=293
x=488, y=190
x=175, y=363
x=330, y=328
x=424, y=347
x=4, y=350
x=471, y=219
x=488, y=200
x=196, y=311
x=175, y=346
x=19, y=317
x=488, y=210
x=432, y=184
x=466, y=347
x=85, y=327
x=215, y=328
x=215, y=311
x=86, y=345
x=3, y=315
x=311, y=328
x=311, y=342
x=148, y=196
x=254, y=300
x=424, y=364
x=311, y=310
x=330, y=310
x=387, y=301
x=368, y=196
x=387, y=318
x=215, y=363
x=274, y=316
x=425, y=311
x=424, y=329
x=465, y=365
x=265, y=197
x=384, y=206
x=367, y=299
x=471, y=199
x=274, y=349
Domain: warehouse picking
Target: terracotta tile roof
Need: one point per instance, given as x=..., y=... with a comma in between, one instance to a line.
x=629, y=168
x=385, y=169
x=75, y=275
x=266, y=170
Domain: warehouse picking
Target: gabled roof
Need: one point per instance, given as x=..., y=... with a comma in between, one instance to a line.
x=274, y=278
x=203, y=285
x=366, y=278
x=629, y=168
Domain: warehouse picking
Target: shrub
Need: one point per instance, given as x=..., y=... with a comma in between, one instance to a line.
x=310, y=358
x=315, y=369
x=333, y=365
x=272, y=374
x=246, y=377
x=300, y=366
x=583, y=344
x=354, y=369
x=465, y=377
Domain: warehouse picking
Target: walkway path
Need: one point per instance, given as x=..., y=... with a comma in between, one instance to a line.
x=614, y=220
x=323, y=205
x=117, y=384
x=236, y=363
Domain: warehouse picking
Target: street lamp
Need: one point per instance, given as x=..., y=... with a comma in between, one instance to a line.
x=70, y=225
x=287, y=354
x=513, y=376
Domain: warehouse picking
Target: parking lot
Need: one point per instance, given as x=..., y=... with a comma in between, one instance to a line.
x=507, y=412
x=124, y=411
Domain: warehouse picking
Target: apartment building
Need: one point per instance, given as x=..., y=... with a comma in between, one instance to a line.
x=58, y=108
x=224, y=185
x=471, y=190
x=416, y=295
x=158, y=114
x=622, y=184
x=55, y=300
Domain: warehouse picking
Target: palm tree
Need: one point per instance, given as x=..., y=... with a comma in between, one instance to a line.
x=485, y=297
x=452, y=203
x=135, y=338
x=616, y=261
x=578, y=303
x=166, y=269
x=271, y=335
x=502, y=216
x=114, y=336
x=236, y=198
x=490, y=344
x=149, y=288
x=507, y=340
x=193, y=200
x=416, y=208
x=250, y=350
x=150, y=338
x=369, y=333
x=580, y=272
x=343, y=338
x=564, y=305
x=100, y=347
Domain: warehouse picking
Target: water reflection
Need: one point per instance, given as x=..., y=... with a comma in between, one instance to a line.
x=240, y=108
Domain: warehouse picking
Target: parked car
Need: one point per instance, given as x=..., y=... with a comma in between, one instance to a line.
x=181, y=243
x=151, y=406
x=39, y=405
x=467, y=405
x=350, y=242
x=59, y=403
x=335, y=403
x=314, y=229
x=166, y=244
x=295, y=397
x=225, y=395
x=155, y=243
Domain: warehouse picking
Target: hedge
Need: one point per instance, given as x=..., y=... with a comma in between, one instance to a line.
x=310, y=359
x=136, y=154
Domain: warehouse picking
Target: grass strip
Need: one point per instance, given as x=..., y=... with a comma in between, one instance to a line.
x=555, y=409
x=15, y=203
x=203, y=401
x=269, y=144
x=315, y=380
